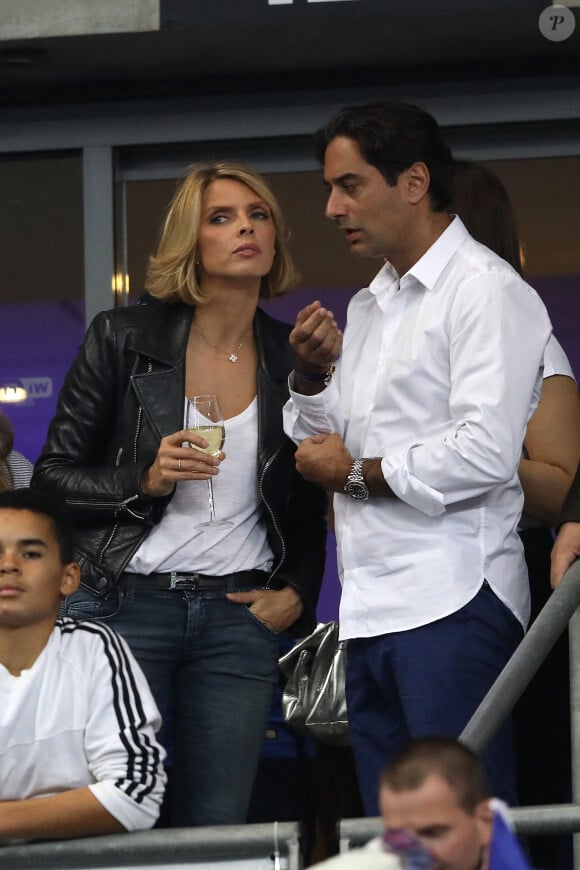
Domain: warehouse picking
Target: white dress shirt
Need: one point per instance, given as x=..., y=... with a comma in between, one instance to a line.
x=439, y=375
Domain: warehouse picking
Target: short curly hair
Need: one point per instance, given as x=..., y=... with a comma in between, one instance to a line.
x=45, y=504
x=448, y=758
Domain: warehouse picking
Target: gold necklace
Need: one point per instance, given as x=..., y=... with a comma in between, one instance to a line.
x=233, y=357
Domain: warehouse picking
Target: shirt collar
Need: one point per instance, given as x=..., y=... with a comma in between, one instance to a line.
x=385, y=282
x=429, y=267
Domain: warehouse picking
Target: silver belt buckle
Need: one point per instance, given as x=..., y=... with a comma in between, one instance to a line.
x=183, y=581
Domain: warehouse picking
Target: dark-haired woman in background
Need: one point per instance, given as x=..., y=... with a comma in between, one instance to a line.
x=15, y=469
x=552, y=444
x=549, y=461
x=202, y=609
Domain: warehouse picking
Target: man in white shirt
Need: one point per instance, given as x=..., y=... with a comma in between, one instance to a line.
x=418, y=433
x=78, y=753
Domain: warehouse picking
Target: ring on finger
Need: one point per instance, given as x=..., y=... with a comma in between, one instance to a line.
x=179, y=464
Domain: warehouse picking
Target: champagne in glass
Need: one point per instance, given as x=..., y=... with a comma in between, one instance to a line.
x=204, y=418
x=214, y=435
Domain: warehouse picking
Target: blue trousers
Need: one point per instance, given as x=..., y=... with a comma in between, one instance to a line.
x=212, y=668
x=428, y=681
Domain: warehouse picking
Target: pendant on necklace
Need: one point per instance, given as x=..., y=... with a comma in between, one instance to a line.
x=233, y=357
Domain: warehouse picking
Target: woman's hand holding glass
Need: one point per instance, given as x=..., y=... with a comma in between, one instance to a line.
x=205, y=420
x=175, y=462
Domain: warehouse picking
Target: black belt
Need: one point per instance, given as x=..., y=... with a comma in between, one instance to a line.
x=196, y=582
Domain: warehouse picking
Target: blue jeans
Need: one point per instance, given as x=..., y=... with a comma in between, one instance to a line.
x=212, y=667
x=428, y=681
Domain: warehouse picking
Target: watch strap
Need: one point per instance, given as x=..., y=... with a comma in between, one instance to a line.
x=356, y=486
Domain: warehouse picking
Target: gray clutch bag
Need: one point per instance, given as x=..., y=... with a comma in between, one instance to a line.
x=314, y=696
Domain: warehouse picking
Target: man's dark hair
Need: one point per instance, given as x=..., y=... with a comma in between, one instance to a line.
x=452, y=761
x=47, y=505
x=391, y=136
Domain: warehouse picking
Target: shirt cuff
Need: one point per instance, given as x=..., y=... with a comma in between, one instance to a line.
x=410, y=489
x=133, y=816
x=295, y=395
x=311, y=415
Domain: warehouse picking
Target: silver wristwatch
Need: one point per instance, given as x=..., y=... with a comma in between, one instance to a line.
x=355, y=485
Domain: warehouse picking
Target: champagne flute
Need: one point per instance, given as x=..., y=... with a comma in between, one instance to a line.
x=204, y=417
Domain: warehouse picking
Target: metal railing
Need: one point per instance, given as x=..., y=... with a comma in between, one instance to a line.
x=531, y=652
x=560, y=610
x=555, y=819
x=271, y=846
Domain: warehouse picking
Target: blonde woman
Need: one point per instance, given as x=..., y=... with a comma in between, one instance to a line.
x=201, y=609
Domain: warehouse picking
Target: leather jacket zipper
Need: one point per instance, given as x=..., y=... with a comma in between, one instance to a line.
x=124, y=503
x=272, y=515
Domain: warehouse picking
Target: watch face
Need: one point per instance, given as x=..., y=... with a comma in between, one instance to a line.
x=356, y=490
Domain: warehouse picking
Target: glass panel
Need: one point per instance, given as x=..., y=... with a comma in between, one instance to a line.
x=544, y=193
x=42, y=308
x=146, y=204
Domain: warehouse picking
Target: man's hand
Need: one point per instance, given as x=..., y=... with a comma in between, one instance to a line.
x=175, y=462
x=323, y=459
x=278, y=609
x=566, y=550
x=316, y=339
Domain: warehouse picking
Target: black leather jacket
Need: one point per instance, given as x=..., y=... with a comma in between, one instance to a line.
x=122, y=394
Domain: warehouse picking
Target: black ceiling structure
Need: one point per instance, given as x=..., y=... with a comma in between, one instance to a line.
x=253, y=46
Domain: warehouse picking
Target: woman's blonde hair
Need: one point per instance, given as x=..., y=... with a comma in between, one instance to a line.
x=171, y=274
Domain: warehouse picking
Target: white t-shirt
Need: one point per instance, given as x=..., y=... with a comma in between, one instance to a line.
x=83, y=715
x=362, y=859
x=555, y=363
x=372, y=856
x=439, y=374
x=555, y=360
x=175, y=544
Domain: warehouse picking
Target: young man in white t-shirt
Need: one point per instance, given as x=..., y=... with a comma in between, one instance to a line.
x=78, y=752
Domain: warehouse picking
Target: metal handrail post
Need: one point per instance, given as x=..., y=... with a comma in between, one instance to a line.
x=574, y=646
x=531, y=652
